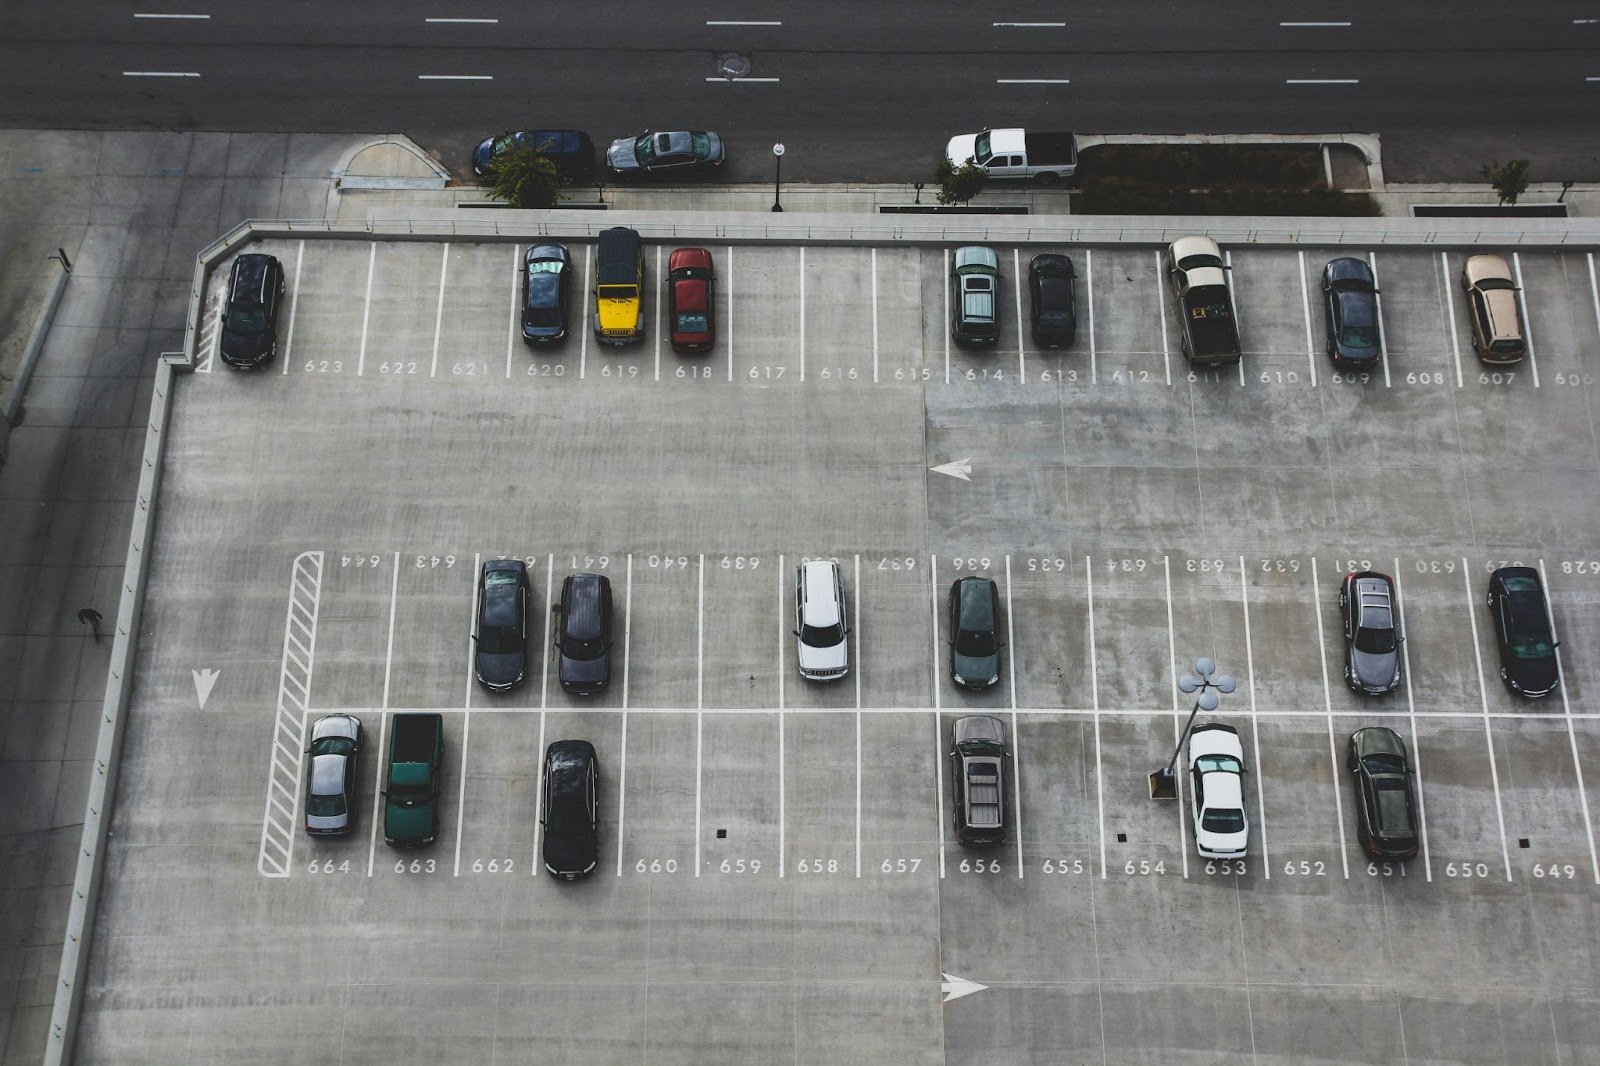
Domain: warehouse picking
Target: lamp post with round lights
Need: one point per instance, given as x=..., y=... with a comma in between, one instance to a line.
x=777, y=176
x=1164, y=782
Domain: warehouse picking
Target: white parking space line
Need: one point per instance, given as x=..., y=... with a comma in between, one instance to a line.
x=516, y=299
x=166, y=16
x=1488, y=735
x=730, y=288
x=466, y=709
x=1233, y=302
x=938, y=733
x=802, y=312
x=1016, y=736
x=438, y=314
x=1094, y=696
x=1327, y=702
x=160, y=74
x=1527, y=323
x=783, y=813
x=1161, y=314
x=588, y=287
x=366, y=308
x=874, y=316
x=394, y=599
x=1312, y=25
x=377, y=791
x=699, y=706
x=1255, y=728
x=294, y=302
x=1383, y=334
x=1177, y=710
x=1450, y=312
x=213, y=345
x=1572, y=739
x=627, y=647
x=1016, y=288
x=1594, y=293
x=1305, y=307
x=472, y=22
x=544, y=643
x=455, y=77
x=287, y=765
x=1088, y=278
x=538, y=803
x=739, y=22
x=856, y=626
x=944, y=287
x=659, y=304
x=1411, y=712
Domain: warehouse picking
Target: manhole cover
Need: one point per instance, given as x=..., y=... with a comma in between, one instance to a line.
x=733, y=65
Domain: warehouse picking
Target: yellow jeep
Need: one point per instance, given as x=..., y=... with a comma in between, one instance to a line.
x=619, y=287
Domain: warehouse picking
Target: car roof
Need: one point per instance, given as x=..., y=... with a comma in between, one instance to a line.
x=1223, y=789
x=689, y=294
x=976, y=255
x=821, y=607
x=619, y=253
x=584, y=592
x=506, y=564
x=327, y=774
x=977, y=602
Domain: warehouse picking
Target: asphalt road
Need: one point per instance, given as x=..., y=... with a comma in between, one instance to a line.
x=858, y=96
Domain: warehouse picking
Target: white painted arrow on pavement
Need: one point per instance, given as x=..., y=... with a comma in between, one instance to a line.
x=203, y=682
x=961, y=468
x=956, y=987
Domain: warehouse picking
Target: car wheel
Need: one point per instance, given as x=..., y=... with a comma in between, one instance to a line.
x=1047, y=180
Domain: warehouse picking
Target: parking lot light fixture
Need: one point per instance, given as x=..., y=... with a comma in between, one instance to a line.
x=777, y=176
x=1164, y=782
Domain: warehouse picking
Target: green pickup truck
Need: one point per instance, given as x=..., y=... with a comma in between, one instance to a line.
x=411, y=784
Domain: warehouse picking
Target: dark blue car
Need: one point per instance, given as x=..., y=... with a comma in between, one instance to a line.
x=546, y=293
x=1350, y=298
x=570, y=150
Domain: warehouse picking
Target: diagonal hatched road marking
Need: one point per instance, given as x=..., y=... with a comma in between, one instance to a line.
x=281, y=817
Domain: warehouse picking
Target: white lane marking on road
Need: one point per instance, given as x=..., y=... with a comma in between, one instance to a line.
x=377, y=791
x=741, y=79
x=1327, y=702
x=388, y=655
x=455, y=77
x=802, y=312
x=1527, y=323
x=1255, y=727
x=1488, y=735
x=627, y=645
x=1312, y=25
x=544, y=643
x=1411, y=710
x=1161, y=314
x=1322, y=81
x=279, y=833
x=1233, y=302
x=1016, y=735
x=1088, y=277
x=1016, y=272
x=516, y=301
x=874, y=316
x=466, y=714
x=1032, y=81
x=164, y=15
x=1177, y=710
x=1305, y=308
x=699, y=706
x=945, y=289
x=856, y=626
x=1383, y=334
x=741, y=22
x=294, y=303
x=783, y=815
x=472, y=22
x=538, y=801
x=160, y=74
x=366, y=309
x=1572, y=738
x=938, y=737
x=1450, y=313
x=438, y=314
x=1094, y=696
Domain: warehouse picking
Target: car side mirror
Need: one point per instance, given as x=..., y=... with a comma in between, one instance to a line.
x=796, y=632
x=384, y=793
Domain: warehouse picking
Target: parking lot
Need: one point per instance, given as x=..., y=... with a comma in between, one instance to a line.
x=778, y=878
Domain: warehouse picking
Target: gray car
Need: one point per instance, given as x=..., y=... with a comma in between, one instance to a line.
x=978, y=772
x=335, y=756
x=974, y=632
x=679, y=153
x=1371, y=632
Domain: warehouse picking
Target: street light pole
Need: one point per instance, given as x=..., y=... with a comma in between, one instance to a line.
x=777, y=176
x=1164, y=782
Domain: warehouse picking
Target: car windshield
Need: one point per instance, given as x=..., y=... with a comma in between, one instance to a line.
x=1532, y=647
x=1375, y=641
x=1223, y=820
x=693, y=322
x=1506, y=346
x=499, y=640
x=822, y=636
x=246, y=318
x=982, y=747
x=645, y=150
x=1218, y=763
x=974, y=644
x=325, y=806
x=702, y=145
x=1359, y=337
x=545, y=266
x=1495, y=283
x=1384, y=763
x=980, y=149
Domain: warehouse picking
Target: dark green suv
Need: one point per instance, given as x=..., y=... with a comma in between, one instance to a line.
x=974, y=628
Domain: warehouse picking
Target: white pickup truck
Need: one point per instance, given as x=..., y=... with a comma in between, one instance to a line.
x=1016, y=154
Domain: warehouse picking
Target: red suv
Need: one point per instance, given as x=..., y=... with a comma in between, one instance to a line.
x=691, y=300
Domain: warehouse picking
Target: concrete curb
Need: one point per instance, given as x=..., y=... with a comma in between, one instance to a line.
x=30, y=354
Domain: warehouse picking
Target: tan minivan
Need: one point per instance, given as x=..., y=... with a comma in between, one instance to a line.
x=1492, y=306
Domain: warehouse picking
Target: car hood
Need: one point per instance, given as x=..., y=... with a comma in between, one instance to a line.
x=620, y=156
x=501, y=669
x=245, y=346
x=568, y=855
x=834, y=658
x=1535, y=675
x=960, y=148
x=480, y=155
x=407, y=823
x=1374, y=671
x=585, y=673
x=975, y=669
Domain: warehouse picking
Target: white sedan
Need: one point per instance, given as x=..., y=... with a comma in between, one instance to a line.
x=1216, y=791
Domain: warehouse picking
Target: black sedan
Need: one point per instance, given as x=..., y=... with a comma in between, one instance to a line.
x=974, y=628
x=546, y=293
x=331, y=781
x=1371, y=632
x=1523, y=630
x=680, y=154
x=1053, y=300
x=501, y=655
x=1350, y=300
x=1386, y=802
x=571, y=817
x=250, y=319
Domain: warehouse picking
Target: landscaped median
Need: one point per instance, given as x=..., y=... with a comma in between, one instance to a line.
x=1210, y=179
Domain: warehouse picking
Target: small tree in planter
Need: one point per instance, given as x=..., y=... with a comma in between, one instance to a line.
x=1509, y=181
x=525, y=177
x=958, y=185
